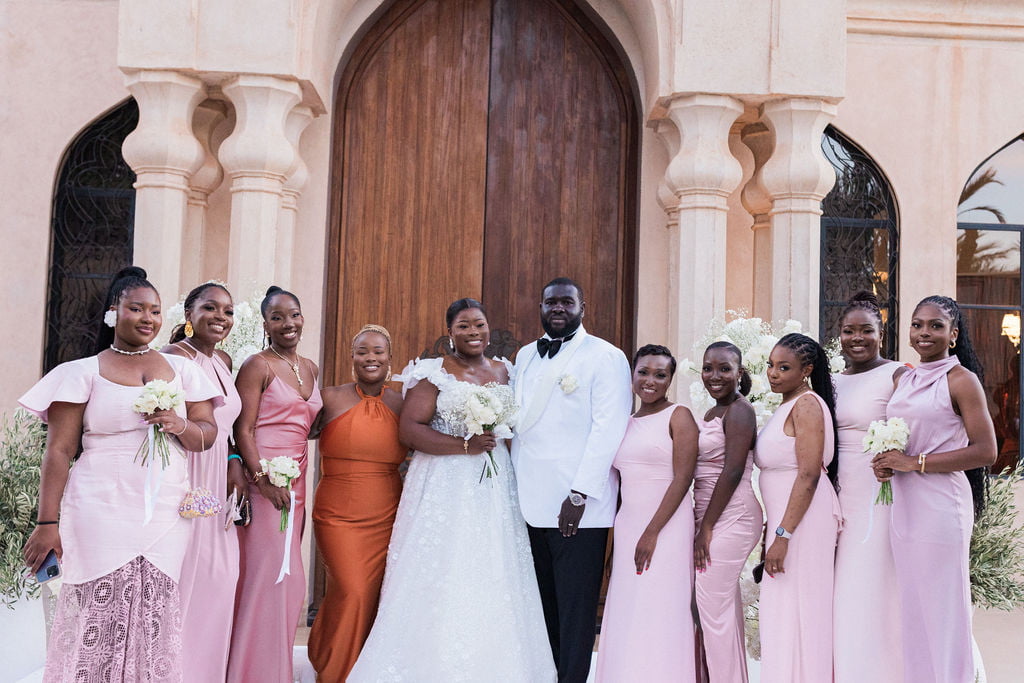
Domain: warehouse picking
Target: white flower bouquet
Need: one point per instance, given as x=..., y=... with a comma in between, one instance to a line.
x=156, y=395
x=882, y=436
x=281, y=471
x=490, y=408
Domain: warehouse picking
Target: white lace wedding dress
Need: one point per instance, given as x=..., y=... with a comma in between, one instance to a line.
x=460, y=599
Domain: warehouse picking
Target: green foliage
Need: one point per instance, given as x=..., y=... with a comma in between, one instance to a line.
x=997, y=550
x=22, y=444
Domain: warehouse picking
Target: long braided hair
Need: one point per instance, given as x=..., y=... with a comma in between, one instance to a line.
x=811, y=352
x=964, y=351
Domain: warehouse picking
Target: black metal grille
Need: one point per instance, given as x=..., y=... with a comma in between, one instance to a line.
x=859, y=238
x=92, y=229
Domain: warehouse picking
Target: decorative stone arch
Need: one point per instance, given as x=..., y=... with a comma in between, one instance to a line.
x=91, y=232
x=859, y=238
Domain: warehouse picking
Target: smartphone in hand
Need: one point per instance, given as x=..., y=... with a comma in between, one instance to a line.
x=50, y=569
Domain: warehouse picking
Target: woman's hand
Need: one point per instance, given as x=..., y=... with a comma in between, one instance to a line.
x=278, y=496
x=774, y=559
x=884, y=464
x=44, y=538
x=236, y=478
x=480, y=443
x=702, y=549
x=167, y=421
x=645, y=550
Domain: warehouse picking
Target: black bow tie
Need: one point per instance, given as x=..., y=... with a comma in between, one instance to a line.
x=550, y=347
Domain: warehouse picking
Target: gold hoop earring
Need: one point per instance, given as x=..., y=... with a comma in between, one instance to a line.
x=952, y=344
x=387, y=378
x=189, y=330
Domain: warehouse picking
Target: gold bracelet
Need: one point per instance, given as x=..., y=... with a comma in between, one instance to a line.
x=183, y=429
x=256, y=477
x=921, y=458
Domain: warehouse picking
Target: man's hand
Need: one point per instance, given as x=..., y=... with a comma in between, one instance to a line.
x=570, y=516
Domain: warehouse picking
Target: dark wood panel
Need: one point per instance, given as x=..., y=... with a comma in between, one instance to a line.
x=562, y=152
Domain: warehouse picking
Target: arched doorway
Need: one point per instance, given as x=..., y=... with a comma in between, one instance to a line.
x=481, y=147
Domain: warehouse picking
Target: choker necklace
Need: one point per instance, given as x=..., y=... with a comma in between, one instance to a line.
x=130, y=353
x=294, y=366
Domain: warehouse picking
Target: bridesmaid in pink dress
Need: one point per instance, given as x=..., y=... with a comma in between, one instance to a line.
x=728, y=517
x=280, y=402
x=118, y=616
x=866, y=620
x=647, y=632
x=793, y=450
x=209, y=574
x=938, y=487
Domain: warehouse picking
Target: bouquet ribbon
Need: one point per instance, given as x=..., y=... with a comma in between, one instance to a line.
x=287, y=556
x=154, y=477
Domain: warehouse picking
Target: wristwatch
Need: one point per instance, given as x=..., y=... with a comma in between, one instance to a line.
x=577, y=499
x=782, y=533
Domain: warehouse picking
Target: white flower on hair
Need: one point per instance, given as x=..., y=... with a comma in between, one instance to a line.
x=110, y=317
x=568, y=384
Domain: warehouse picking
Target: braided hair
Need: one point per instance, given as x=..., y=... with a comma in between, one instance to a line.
x=656, y=350
x=126, y=279
x=378, y=329
x=811, y=352
x=745, y=383
x=964, y=351
x=178, y=333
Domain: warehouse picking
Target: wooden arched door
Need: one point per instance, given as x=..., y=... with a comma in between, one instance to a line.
x=481, y=148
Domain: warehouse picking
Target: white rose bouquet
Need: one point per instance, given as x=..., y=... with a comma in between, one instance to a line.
x=281, y=471
x=490, y=408
x=156, y=395
x=882, y=436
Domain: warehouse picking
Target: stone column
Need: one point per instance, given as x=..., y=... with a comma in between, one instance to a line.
x=797, y=176
x=298, y=119
x=758, y=138
x=257, y=156
x=208, y=116
x=701, y=175
x=164, y=154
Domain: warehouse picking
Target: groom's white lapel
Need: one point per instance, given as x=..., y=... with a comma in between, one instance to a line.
x=552, y=369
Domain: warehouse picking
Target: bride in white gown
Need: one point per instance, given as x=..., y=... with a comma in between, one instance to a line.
x=460, y=599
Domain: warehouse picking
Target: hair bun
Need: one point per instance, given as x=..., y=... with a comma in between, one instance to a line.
x=272, y=290
x=866, y=297
x=130, y=271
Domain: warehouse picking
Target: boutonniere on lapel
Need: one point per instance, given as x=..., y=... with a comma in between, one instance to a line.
x=568, y=384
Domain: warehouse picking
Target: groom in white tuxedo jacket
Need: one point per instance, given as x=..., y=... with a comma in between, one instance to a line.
x=574, y=397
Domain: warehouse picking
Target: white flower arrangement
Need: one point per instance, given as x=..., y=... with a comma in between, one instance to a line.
x=281, y=471
x=490, y=409
x=882, y=436
x=156, y=395
x=245, y=339
x=568, y=384
x=755, y=339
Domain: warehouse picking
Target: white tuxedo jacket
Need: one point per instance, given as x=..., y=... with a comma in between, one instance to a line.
x=573, y=411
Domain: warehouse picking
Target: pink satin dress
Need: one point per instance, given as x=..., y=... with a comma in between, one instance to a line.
x=266, y=612
x=209, y=574
x=796, y=606
x=866, y=619
x=734, y=536
x=932, y=520
x=647, y=632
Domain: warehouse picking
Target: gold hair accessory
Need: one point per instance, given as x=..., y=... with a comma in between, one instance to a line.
x=379, y=329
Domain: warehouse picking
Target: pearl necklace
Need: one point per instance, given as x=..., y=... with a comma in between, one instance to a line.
x=294, y=366
x=130, y=353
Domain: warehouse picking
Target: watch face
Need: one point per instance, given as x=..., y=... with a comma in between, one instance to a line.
x=780, y=531
x=576, y=499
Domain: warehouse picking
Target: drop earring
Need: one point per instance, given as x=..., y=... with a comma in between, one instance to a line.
x=189, y=330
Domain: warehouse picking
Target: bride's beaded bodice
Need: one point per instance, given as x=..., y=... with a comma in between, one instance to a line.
x=453, y=394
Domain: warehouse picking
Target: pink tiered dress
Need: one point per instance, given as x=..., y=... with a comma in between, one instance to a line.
x=647, y=632
x=267, y=613
x=796, y=606
x=209, y=574
x=118, y=616
x=866, y=620
x=932, y=519
x=734, y=536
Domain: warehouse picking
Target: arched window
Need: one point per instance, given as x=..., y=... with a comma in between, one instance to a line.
x=990, y=223
x=91, y=232
x=859, y=238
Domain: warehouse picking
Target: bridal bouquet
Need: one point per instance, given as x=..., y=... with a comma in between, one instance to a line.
x=281, y=471
x=156, y=395
x=882, y=436
x=490, y=408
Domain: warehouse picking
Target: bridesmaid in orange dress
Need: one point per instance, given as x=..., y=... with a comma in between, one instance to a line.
x=356, y=501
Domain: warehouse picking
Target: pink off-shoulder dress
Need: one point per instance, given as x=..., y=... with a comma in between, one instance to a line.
x=118, y=615
x=796, y=606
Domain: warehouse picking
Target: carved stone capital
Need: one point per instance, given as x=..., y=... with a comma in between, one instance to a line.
x=797, y=175
x=258, y=149
x=755, y=197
